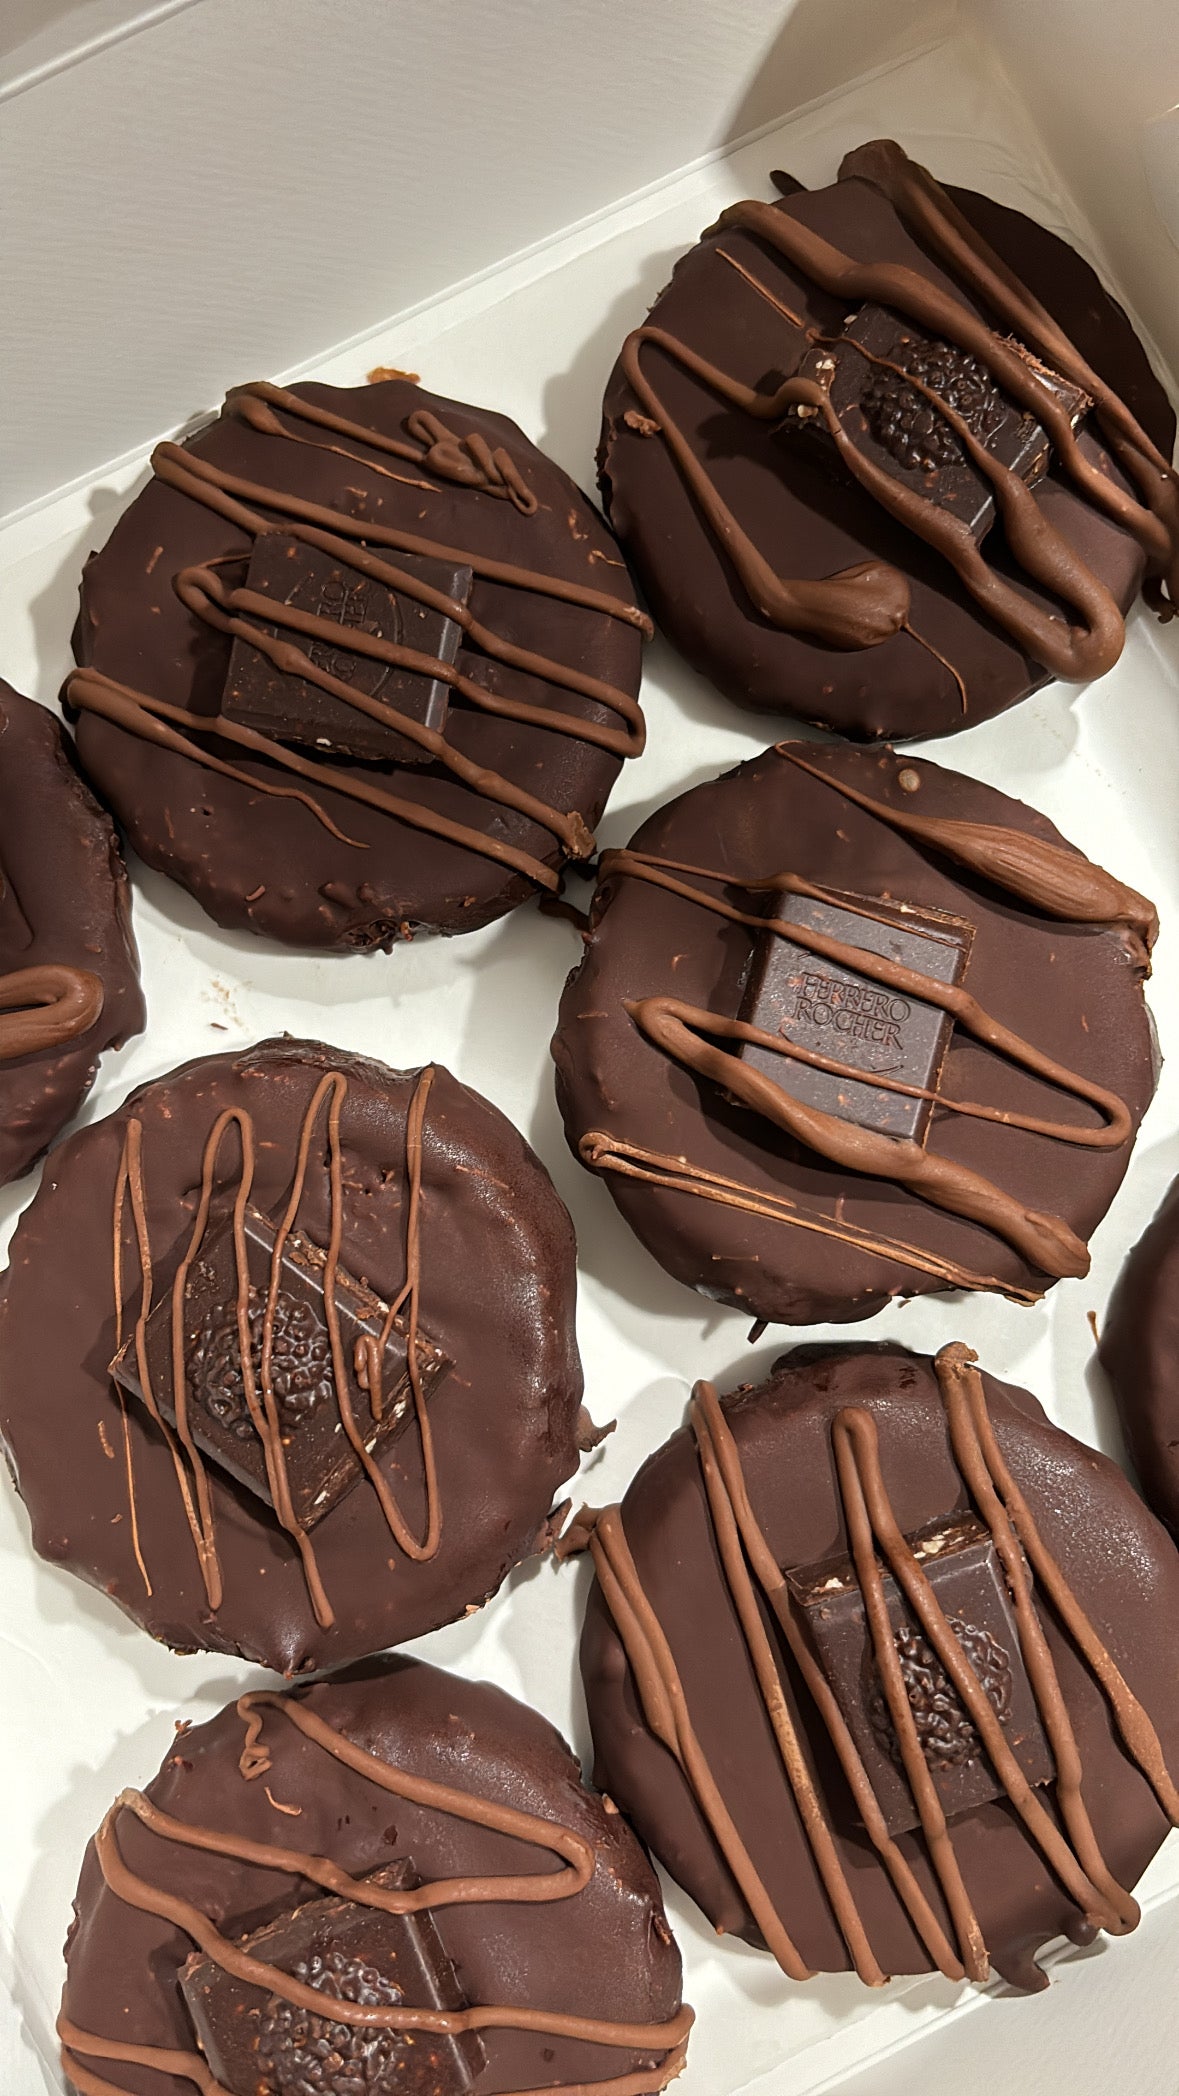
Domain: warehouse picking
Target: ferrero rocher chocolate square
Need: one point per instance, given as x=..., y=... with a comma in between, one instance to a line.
x=257, y=2044
x=958, y=1557
x=293, y=709
x=820, y=1006
x=321, y=1463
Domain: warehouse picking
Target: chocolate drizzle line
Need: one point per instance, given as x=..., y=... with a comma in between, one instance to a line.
x=334, y=533
x=1044, y=875
x=1073, y=1854
x=205, y=593
x=868, y=603
x=602, y=1152
x=468, y=462
x=735, y=1522
x=923, y=204
x=147, y=717
x=1049, y=877
x=570, y=1879
x=258, y=1389
x=44, y=1008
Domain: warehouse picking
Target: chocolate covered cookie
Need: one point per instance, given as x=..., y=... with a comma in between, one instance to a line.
x=849, y=1026
x=875, y=1665
x=358, y=662
x=69, y=972
x=1139, y=1351
x=389, y=1884
x=888, y=456
x=305, y=1326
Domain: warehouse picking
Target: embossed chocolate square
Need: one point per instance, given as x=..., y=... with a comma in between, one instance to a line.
x=900, y=429
x=321, y=1464
x=958, y=1557
x=259, y=695
x=259, y=2044
x=830, y=1010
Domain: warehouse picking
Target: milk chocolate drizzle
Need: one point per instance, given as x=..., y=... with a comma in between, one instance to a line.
x=191, y=1473
x=1048, y=877
x=47, y=1007
x=869, y=603
x=576, y=1870
x=925, y=206
x=467, y=462
x=603, y=1152
x=1070, y=1850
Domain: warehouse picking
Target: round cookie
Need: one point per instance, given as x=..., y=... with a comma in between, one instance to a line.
x=356, y=663
x=391, y=1260
x=874, y=1665
x=850, y=1026
x=69, y=972
x=1139, y=1351
x=854, y=456
x=546, y=1957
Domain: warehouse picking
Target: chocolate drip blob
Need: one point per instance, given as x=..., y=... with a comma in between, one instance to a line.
x=258, y=1388
x=44, y=1008
x=578, y=1859
x=1066, y=1840
x=869, y=603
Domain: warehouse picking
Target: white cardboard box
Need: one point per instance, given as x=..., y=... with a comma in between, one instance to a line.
x=203, y=191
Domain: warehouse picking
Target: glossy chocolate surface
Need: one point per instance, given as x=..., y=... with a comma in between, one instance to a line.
x=65, y=934
x=602, y=1954
x=494, y=1291
x=757, y=1217
x=1110, y=1554
x=550, y=587
x=737, y=303
x=1139, y=1351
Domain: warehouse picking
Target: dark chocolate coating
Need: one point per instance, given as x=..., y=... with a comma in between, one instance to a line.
x=1073, y=990
x=1139, y=1351
x=606, y=1952
x=1117, y=1558
x=497, y=1295
x=805, y=523
x=64, y=902
x=266, y=864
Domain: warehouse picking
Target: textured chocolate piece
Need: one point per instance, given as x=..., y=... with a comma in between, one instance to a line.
x=737, y=303
x=832, y=1011
x=291, y=708
x=256, y=2042
x=957, y=1556
x=602, y=1952
x=1116, y=1558
x=765, y=1222
x=65, y=917
x=321, y=1465
x=496, y=1294
x=368, y=877
x=899, y=428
